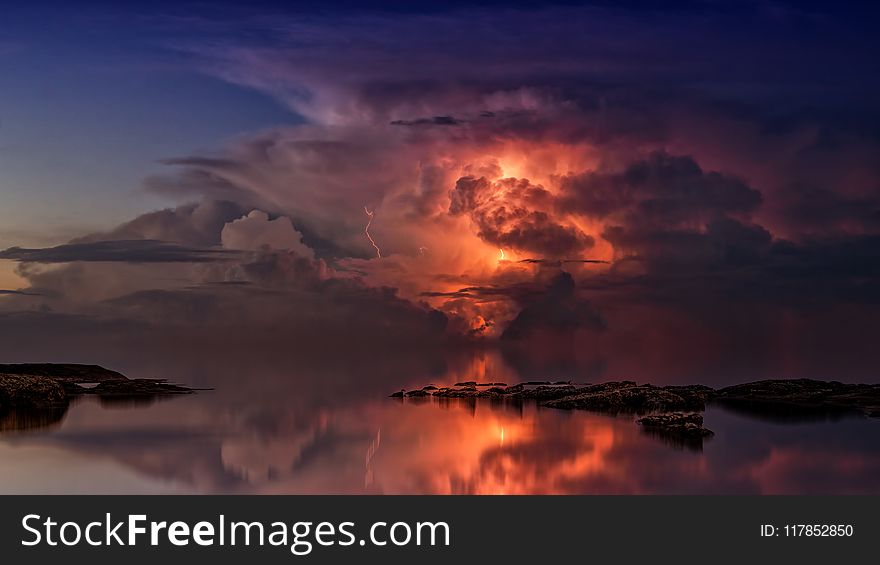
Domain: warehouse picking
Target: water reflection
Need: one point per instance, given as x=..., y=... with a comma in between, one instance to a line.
x=281, y=423
x=675, y=441
x=779, y=413
x=481, y=448
x=29, y=419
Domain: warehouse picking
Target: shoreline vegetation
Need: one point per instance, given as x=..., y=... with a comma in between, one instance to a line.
x=36, y=395
x=674, y=412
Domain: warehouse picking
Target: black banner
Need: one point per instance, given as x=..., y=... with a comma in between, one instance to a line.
x=428, y=529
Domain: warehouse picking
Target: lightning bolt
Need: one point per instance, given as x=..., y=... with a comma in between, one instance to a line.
x=367, y=231
x=501, y=258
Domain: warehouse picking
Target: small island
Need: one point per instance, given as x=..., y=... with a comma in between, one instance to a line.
x=38, y=394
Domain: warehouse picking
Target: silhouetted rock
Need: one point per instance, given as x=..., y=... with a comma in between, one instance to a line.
x=801, y=396
x=771, y=398
x=38, y=394
x=677, y=429
x=138, y=387
x=684, y=424
x=463, y=392
x=627, y=396
x=547, y=392
x=29, y=391
x=68, y=372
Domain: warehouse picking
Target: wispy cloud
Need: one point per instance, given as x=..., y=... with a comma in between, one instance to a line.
x=126, y=251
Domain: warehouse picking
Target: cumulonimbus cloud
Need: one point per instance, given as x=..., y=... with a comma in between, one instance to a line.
x=505, y=182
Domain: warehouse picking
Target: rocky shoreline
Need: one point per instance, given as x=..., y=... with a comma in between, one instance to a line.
x=38, y=394
x=674, y=412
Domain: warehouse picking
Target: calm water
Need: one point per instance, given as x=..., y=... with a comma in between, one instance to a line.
x=276, y=423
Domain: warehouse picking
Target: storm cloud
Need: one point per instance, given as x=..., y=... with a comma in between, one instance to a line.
x=579, y=172
x=662, y=189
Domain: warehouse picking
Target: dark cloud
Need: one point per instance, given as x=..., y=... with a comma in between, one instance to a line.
x=549, y=307
x=559, y=262
x=749, y=272
x=804, y=208
x=557, y=309
x=721, y=243
x=532, y=231
x=468, y=195
x=293, y=295
x=843, y=268
x=663, y=189
x=125, y=251
x=517, y=292
x=433, y=121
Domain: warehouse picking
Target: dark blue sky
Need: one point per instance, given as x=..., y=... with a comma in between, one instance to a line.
x=90, y=99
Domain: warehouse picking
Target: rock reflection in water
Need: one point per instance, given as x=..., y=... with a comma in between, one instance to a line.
x=31, y=419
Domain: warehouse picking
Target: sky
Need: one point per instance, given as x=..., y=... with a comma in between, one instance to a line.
x=556, y=178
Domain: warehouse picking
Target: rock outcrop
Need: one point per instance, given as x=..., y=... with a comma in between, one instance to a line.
x=620, y=396
x=801, y=397
x=769, y=396
x=627, y=396
x=64, y=372
x=38, y=394
x=685, y=425
x=29, y=391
